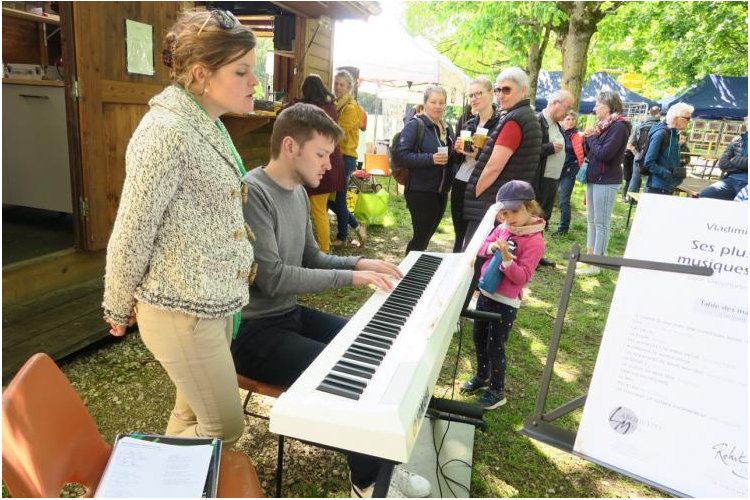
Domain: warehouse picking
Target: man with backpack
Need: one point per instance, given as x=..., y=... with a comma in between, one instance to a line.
x=638, y=144
x=662, y=159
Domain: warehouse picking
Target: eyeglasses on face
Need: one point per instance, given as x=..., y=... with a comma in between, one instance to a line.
x=686, y=118
x=224, y=19
x=475, y=95
x=503, y=90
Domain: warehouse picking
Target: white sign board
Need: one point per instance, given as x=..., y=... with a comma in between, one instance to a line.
x=669, y=395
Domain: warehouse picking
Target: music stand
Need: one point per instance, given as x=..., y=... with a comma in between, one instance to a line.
x=540, y=425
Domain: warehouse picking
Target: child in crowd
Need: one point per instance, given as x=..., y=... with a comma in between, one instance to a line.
x=521, y=223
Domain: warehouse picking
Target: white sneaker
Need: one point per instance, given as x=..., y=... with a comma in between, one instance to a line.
x=409, y=484
x=357, y=492
x=583, y=269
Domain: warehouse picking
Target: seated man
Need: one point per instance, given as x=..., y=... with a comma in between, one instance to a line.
x=733, y=165
x=280, y=338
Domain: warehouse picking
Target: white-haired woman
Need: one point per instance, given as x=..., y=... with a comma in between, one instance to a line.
x=662, y=159
x=605, y=146
x=512, y=151
x=485, y=114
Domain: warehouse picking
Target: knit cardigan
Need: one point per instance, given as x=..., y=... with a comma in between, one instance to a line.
x=179, y=241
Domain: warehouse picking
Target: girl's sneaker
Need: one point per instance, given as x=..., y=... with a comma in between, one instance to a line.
x=491, y=399
x=474, y=385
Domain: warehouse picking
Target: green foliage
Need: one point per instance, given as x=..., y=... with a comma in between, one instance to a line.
x=483, y=37
x=673, y=44
x=263, y=47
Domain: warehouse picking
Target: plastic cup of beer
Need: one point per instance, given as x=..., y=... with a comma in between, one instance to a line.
x=480, y=137
x=466, y=141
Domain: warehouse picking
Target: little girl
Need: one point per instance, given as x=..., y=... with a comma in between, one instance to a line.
x=519, y=214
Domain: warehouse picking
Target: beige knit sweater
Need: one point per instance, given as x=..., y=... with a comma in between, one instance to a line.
x=179, y=241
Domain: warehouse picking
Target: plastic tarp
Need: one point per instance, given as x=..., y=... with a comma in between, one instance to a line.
x=397, y=63
x=550, y=82
x=716, y=97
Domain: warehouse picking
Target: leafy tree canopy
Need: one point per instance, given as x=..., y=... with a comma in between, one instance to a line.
x=670, y=44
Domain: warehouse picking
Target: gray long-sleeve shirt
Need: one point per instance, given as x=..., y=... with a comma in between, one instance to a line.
x=289, y=259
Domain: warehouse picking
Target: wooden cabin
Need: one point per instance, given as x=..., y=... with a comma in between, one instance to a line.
x=71, y=100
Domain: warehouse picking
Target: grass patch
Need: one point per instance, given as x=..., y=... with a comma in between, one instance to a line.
x=127, y=390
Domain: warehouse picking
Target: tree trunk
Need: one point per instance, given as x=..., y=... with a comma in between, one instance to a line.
x=574, y=42
x=534, y=62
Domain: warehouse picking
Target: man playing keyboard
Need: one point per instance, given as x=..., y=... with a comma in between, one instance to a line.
x=279, y=338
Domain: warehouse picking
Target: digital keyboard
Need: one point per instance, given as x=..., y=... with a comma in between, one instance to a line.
x=369, y=389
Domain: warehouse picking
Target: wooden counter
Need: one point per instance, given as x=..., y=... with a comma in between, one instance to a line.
x=251, y=135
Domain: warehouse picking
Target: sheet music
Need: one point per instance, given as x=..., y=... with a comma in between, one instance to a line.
x=141, y=469
x=668, y=399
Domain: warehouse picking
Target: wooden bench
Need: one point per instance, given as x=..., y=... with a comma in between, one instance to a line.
x=274, y=391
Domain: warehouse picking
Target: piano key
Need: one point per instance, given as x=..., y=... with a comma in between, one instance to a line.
x=389, y=317
x=366, y=351
x=338, y=390
x=377, y=344
x=352, y=369
x=378, y=331
x=377, y=337
x=346, y=380
x=361, y=358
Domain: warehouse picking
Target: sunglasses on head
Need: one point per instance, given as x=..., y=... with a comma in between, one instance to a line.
x=503, y=90
x=224, y=19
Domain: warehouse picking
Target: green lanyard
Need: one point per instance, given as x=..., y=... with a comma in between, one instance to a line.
x=236, y=317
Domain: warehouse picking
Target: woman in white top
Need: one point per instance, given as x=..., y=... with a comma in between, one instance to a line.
x=485, y=115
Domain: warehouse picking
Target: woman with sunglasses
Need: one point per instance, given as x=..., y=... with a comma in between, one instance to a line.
x=429, y=179
x=605, y=147
x=512, y=150
x=180, y=255
x=484, y=113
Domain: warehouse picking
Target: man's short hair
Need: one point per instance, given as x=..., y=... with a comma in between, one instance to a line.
x=654, y=111
x=299, y=122
x=678, y=109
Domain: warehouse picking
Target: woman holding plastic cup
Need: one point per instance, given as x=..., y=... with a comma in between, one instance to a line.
x=430, y=176
x=485, y=116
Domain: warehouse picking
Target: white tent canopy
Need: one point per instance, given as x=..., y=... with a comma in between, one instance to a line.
x=389, y=59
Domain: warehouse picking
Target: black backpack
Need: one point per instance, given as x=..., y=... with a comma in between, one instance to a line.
x=641, y=145
x=401, y=173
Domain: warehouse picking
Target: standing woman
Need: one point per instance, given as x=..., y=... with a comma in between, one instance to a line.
x=429, y=180
x=315, y=92
x=180, y=256
x=573, y=161
x=605, y=146
x=349, y=121
x=483, y=114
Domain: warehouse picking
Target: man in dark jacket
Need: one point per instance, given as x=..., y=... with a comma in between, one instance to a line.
x=552, y=154
x=662, y=159
x=733, y=165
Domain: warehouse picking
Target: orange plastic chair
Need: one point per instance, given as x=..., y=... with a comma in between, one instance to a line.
x=377, y=164
x=49, y=439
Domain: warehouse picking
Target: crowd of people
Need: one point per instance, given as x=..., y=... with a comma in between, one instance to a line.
x=197, y=238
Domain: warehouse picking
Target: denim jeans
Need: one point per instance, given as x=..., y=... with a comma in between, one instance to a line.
x=563, y=195
x=635, y=181
x=600, y=201
x=344, y=217
x=725, y=189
